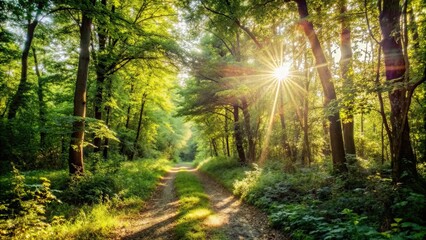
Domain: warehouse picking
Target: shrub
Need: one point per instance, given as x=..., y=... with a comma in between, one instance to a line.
x=90, y=189
x=23, y=216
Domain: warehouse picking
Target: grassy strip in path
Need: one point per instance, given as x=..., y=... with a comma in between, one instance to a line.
x=194, y=209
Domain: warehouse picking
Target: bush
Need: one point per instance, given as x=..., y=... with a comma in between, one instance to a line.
x=90, y=189
x=23, y=215
x=312, y=204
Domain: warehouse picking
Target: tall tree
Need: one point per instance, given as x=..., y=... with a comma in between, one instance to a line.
x=32, y=13
x=396, y=71
x=41, y=104
x=100, y=71
x=346, y=74
x=75, y=161
x=335, y=128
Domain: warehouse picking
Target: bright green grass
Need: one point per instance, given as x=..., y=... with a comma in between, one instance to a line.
x=194, y=207
x=225, y=170
x=136, y=181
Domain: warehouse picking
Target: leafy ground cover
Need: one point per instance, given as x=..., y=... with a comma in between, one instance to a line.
x=312, y=204
x=49, y=205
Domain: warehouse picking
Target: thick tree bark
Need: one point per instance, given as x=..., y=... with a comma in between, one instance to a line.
x=41, y=105
x=76, y=165
x=346, y=69
x=336, y=137
x=402, y=156
x=238, y=136
x=17, y=100
x=138, y=130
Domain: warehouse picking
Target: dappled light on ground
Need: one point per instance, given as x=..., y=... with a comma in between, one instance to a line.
x=226, y=218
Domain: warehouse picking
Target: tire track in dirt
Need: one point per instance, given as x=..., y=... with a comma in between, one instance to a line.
x=158, y=219
x=237, y=219
x=233, y=218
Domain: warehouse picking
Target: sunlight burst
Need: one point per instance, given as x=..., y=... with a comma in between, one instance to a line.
x=281, y=72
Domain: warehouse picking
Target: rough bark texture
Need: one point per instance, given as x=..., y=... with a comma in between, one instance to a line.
x=238, y=136
x=403, y=159
x=345, y=69
x=336, y=137
x=77, y=137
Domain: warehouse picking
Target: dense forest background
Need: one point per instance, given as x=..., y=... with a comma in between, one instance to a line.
x=327, y=97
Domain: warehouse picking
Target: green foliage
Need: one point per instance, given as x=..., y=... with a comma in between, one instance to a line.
x=311, y=204
x=90, y=189
x=139, y=178
x=23, y=215
x=251, y=178
x=90, y=208
x=229, y=170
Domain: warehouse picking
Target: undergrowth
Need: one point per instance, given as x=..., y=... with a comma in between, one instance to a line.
x=89, y=207
x=312, y=204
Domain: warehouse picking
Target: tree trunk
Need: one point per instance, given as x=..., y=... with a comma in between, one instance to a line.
x=336, y=138
x=122, y=149
x=41, y=104
x=402, y=156
x=251, y=154
x=106, y=141
x=108, y=114
x=76, y=166
x=100, y=75
x=238, y=136
x=307, y=156
x=284, y=140
x=214, y=147
x=138, y=131
x=346, y=69
x=17, y=100
x=227, y=134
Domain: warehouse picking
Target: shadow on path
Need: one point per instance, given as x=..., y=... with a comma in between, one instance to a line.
x=234, y=219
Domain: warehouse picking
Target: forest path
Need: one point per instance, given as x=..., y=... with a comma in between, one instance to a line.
x=233, y=218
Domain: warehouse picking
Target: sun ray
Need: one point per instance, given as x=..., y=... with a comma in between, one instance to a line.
x=264, y=152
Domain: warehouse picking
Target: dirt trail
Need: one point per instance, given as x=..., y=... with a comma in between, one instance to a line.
x=159, y=217
x=235, y=219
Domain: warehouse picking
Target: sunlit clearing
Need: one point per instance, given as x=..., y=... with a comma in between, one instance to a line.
x=281, y=72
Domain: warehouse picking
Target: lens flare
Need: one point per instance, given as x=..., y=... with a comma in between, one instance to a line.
x=282, y=72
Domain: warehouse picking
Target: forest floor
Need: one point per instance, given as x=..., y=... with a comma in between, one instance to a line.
x=234, y=219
